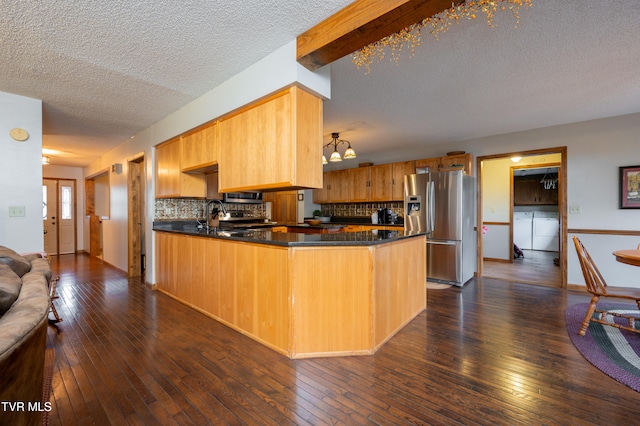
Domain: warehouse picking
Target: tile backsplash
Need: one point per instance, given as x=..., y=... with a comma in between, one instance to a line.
x=361, y=209
x=186, y=208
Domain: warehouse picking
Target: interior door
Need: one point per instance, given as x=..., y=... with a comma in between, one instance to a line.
x=50, y=215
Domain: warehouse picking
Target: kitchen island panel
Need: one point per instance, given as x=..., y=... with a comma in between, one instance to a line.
x=400, y=290
x=254, y=292
x=331, y=301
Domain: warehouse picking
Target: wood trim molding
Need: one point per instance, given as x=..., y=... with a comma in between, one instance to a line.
x=360, y=24
x=493, y=259
x=605, y=232
x=497, y=223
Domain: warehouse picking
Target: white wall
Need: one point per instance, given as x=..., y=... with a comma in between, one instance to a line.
x=21, y=174
x=71, y=173
x=268, y=75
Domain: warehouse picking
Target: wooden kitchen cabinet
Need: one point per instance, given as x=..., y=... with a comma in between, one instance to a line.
x=335, y=188
x=171, y=182
x=321, y=195
x=528, y=191
x=443, y=163
x=432, y=163
x=275, y=143
x=200, y=148
x=212, y=186
x=381, y=182
x=359, y=184
x=284, y=207
x=399, y=171
x=466, y=160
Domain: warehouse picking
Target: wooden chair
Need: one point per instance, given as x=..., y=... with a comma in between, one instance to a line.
x=598, y=288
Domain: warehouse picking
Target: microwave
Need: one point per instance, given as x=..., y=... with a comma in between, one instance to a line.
x=242, y=197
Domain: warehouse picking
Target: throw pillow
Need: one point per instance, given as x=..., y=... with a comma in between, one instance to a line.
x=19, y=264
x=10, y=285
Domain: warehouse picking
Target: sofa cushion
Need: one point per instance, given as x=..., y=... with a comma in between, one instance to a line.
x=10, y=284
x=19, y=264
x=41, y=265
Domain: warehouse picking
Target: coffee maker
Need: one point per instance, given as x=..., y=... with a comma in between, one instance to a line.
x=384, y=216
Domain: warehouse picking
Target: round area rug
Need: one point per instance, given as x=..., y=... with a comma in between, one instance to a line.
x=613, y=351
x=437, y=286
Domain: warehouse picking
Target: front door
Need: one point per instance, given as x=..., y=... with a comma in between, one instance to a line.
x=59, y=215
x=50, y=215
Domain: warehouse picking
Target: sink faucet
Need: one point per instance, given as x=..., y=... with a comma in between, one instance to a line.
x=207, y=214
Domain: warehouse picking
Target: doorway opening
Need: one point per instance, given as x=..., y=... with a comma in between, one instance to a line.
x=522, y=214
x=97, y=208
x=59, y=215
x=136, y=218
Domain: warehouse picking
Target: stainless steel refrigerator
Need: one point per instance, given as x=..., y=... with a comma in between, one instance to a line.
x=444, y=204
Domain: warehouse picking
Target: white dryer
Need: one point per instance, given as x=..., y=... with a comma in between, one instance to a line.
x=545, y=231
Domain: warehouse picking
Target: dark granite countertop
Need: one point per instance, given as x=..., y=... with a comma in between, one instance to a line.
x=287, y=239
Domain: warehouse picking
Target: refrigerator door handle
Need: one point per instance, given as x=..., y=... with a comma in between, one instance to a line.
x=442, y=243
x=432, y=209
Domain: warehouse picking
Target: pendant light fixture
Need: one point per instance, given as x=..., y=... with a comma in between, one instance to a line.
x=335, y=155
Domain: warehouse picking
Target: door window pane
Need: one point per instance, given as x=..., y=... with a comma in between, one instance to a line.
x=65, y=195
x=44, y=202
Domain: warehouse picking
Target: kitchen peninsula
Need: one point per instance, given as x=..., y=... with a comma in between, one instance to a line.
x=303, y=295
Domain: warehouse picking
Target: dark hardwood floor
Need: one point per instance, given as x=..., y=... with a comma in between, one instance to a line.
x=536, y=267
x=493, y=352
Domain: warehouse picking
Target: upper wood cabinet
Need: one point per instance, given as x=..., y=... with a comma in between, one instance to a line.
x=399, y=171
x=528, y=191
x=285, y=207
x=200, y=148
x=335, y=188
x=381, y=182
x=275, y=143
x=363, y=184
x=432, y=163
x=358, y=184
x=321, y=195
x=443, y=163
x=170, y=181
x=212, y=186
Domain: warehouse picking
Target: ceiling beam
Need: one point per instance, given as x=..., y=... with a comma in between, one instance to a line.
x=360, y=24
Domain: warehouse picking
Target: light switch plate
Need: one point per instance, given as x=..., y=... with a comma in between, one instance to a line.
x=575, y=209
x=16, y=211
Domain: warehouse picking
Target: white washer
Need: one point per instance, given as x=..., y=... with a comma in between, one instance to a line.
x=523, y=230
x=545, y=231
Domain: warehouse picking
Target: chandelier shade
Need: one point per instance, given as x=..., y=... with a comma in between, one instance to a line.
x=349, y=154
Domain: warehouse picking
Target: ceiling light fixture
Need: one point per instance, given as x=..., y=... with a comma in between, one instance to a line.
x=45, y=159
x=335, y=155
x=515, y=159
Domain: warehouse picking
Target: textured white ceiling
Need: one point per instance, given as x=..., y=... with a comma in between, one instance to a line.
x=107, y=69
x=567, y=61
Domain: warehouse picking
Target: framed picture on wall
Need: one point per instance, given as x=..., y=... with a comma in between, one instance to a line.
x=630, y=187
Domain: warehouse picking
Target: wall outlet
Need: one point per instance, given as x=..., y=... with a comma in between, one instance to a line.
x=493, y=209
x=575, y=209
x=16, y=211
